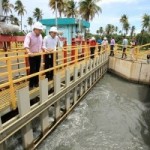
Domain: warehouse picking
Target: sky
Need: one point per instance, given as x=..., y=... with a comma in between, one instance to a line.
x=112, y=10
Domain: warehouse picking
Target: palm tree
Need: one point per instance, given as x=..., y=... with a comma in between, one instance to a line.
x=123, y=20
x=88, y=9
x=20, y=9
x=71, y=9
x=145, y=21
x=37, y=14
x=30, y=21
x=101, y=30
x=110, y=29
x=60, y=5
x=132, y=31
x=7, y=6
x=16, y=21
x=126, y=27
x=11, y=17
x=116, y=29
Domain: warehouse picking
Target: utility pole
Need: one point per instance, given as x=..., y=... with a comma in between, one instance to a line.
x=56, y=21
x=1, y=10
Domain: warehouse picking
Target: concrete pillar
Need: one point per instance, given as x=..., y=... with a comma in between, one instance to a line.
x=57, y=82
x=67, y=80
x=2, y=145
x=75, y=96
x=24, y=108
x=43, y=97
x=81, y=84
x=86, y=80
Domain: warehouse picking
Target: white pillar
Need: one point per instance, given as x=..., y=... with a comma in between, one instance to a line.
x=75, y=96
x=67, y=80
x=24, y=108
x=57, y=82
x=43, y=97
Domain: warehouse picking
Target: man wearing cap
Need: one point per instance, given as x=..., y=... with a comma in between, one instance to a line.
x=105, y=43
x=50, y=44
x=33, y=45
x=92, y=43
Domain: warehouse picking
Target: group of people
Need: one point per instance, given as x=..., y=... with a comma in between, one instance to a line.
x=34, y=45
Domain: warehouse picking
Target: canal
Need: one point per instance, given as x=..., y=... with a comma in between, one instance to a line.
x=115, y=115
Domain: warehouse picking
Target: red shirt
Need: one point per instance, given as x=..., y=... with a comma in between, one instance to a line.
x=92, y=43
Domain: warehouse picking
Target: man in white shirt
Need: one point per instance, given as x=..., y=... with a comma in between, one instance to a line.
x=124, y=44
x=50, y=44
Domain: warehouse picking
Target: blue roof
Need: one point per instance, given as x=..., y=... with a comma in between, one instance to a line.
x=64, y=21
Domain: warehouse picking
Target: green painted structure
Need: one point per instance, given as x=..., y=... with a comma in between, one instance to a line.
x=69, y=26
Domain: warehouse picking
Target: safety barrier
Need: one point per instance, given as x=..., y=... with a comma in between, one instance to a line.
x=14, y=70
x=72, y=80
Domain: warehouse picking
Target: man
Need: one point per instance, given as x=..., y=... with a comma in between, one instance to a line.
x=133, y=45
x=124, y=44
x=112, y=44
x=105, y=43
x=33, y=45
x=99, y=41
x=50, y=44
x=92, y=43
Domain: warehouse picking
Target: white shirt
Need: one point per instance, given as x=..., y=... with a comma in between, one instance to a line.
x=125, y=43
x=51, y=43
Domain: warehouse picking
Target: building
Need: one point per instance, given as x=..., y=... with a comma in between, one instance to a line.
x=69, y=26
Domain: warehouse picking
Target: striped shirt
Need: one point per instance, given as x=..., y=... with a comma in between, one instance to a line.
x=33, y=42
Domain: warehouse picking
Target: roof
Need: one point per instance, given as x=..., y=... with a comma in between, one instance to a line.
x=64, y=21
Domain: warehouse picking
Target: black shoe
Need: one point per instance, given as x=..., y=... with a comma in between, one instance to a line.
x=36, y=85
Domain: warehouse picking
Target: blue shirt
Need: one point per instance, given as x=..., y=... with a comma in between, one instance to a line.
x=99, y=41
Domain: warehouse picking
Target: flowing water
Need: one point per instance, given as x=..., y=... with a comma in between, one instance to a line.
x=114, y=115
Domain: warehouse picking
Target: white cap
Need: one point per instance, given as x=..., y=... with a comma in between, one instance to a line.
x=93, y=38
x=105, y=38
x=37, y=25
x=53, y=29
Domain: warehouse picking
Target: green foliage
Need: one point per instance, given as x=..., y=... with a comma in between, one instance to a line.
x=143, y=38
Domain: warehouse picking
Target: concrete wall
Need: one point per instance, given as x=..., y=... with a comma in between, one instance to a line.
x=134, y=71
x=1, y=11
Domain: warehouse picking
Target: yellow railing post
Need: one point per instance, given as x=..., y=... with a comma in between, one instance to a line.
x=11, y=85
x=54, y=61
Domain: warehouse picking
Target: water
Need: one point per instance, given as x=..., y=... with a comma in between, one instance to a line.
x=115, y=115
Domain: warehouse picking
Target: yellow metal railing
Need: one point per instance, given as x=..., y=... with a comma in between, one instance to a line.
x=9, y=69
x=14, y=67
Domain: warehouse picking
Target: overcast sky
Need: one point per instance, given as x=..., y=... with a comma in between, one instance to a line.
x=112, y=10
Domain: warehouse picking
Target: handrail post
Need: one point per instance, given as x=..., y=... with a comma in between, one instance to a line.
x=11, y=85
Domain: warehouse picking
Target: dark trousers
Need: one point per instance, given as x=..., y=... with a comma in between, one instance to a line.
x=111, y=50
x=92, y=49
x=124, y=53
x=34, y=63
x=49, y=64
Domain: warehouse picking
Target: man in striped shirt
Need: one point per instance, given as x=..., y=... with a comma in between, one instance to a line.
x=33, y=45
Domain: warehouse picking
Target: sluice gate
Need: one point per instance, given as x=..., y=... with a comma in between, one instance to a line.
x=53, y=106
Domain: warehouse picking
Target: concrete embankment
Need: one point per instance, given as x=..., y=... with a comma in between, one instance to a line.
x=133, y=71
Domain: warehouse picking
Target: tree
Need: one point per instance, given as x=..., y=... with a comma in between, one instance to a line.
x=116, y=29
x=124, y=21
x=30, y=21
x=71, y=9
x=126, y=27
x=146, y=21
x=7, y=6
x=20, y=9
x=11, y=17
x=88, y=9
x=60, y=5
x=101, y=30
x=132, y=31
x=37, y=14
x=16, y=21
x=110, y=29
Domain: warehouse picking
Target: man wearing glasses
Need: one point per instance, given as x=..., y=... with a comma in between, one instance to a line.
x=50, y=44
